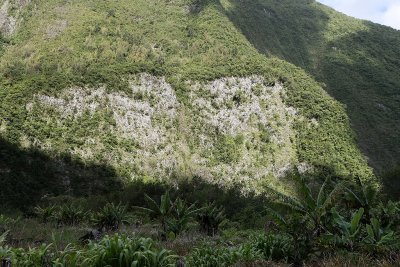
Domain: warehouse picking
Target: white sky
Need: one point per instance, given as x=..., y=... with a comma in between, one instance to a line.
x=385, y=12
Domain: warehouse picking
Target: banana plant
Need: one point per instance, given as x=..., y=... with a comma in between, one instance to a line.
x=379, y=237
x=349, y=231
x=210, y=218
x=182, y=214
x=388, y=214
x=314, y=207
x=161, y=211
x=364, y=195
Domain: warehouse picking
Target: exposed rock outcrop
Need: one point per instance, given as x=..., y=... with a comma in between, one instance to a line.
x=230, y=130
x=9, y=15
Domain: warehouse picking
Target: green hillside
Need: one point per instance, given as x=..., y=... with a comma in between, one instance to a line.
x=196, y=133
x=357, y=62
x=155, y=90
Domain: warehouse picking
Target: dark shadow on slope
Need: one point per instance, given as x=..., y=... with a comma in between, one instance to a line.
x=3, y=42
x=391, y=183
x=287, y=29
x=369, y=85
x=237, y=207
x=370, y=88
x=196, y=6
x=26, y=175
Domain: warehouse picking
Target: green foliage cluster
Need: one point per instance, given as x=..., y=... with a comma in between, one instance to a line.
x=228, y=149
x=124, y=251
x=110, y=251
x=174, y=216
x=111, y=216
x=46, y=213
x=207, y=256
x=35, y=257
x=276, y=247
x=182, y=215
x=3, y=42
x=334, y=217
x=70, y=214
x=210, y=218
x=5, y=225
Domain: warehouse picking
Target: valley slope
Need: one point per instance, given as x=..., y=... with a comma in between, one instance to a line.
x=95, y=94
x=356, y=61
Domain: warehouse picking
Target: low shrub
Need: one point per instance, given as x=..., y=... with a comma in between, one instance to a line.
x=70, y=214
x=207, y=256
x=182, y=213
x=111, y=216
x=276, y=247
x=45, y=213
x=32, y=257
x=210, y=218
x=173, y=216
x=124, y=251
x=114, y=250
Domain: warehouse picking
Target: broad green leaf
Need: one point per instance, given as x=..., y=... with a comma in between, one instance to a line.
x=355, y=222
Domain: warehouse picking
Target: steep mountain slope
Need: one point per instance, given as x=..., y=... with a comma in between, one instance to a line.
x=100, y=92
x=357, y=61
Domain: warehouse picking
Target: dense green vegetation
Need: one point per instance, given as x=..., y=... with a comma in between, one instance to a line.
x=356, y=61
x=334, y=224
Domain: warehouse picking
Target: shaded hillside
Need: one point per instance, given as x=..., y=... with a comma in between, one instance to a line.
x=162, y=89
x=27, y=175
x=358, y=61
